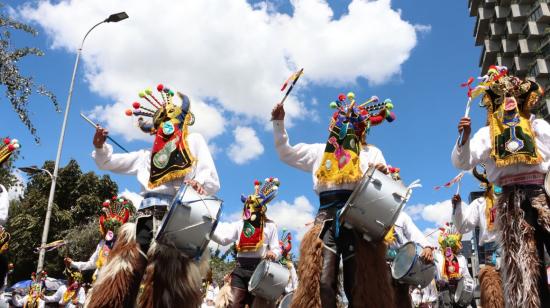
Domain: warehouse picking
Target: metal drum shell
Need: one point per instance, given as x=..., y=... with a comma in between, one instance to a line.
x=190, y=222
x=286, y=301
x=269, y=280
x=374, y=205
x=416, y=272
x=464, y=293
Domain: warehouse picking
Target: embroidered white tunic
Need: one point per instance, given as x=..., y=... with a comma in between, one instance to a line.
x=138, y=163
x=308, y=157
x=462, y=263
x=407, y=231
x=57, y=297
x=474, y=217
x=230, y=233
x=478, y=150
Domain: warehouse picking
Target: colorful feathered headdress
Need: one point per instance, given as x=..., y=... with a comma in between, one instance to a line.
x=73, y=274
x=7, y=148
x=263, y=194
x=161, y=110
x=360, y=116
x=286, y=246
x=449, y=237
x=115, y=213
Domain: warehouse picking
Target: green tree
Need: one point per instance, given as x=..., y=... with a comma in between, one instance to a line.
x=221, y=264
x=77, y=204
x=18, y=86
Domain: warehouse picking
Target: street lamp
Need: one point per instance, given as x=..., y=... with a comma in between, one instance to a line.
x=34, y=170
x=113, y=18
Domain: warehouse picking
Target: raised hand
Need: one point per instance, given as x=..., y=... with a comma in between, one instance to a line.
x=100, y=136
x=278, y=112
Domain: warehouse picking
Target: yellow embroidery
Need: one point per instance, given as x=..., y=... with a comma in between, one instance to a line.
x=390, y=237
x=329, y=172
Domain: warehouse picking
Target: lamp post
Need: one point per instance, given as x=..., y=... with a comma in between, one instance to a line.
x=113, y=18
x=34, y=170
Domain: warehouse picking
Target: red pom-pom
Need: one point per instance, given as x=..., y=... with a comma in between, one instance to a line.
x=125, y=202
x=7, y=141
x=115, y=197
x=129, y=112
x=342, y=97
x=106, y=203
x=11, y=147
x=256, y=183
x=160, y=87
x=136, y=105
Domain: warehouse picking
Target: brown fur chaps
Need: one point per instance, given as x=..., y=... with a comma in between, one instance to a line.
x=492, y=295
x=308, y=293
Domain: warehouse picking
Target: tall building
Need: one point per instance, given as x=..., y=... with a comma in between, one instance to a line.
x=515, y=34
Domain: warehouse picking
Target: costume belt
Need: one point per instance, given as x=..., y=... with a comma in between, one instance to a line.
x=248, y=263
x=531, y=178
x=155, y=199
x=336, y=199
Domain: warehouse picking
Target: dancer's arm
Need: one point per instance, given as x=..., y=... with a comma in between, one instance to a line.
x=273, y=242
x=56, y=297
x=466, y=222
x=205, y=172
x=87, y=265
x=473, y=151
x=105, y=159
x=226, y=234
x=301, y=155
x=81, y=296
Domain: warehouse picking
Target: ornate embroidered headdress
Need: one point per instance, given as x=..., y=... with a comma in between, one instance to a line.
x=450, y=241
x=7, y=148
x=254, y=213
x=170, y=157
x=286, y=246
x=509, y=101
x=115, y=213
x=348, y=128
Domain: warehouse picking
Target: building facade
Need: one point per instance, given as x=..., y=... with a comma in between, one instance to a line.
x=515, y=34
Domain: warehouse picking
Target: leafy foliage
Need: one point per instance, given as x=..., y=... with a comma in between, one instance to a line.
x=19, y=87
x=77, y=204
x=222, y=263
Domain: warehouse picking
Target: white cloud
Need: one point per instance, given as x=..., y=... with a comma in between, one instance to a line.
x=246, y=146
x=18, y=190
x=229, y=52
x=293, y=216
x=438, y=213
x=132, y=196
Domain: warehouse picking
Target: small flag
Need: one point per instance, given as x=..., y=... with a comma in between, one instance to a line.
x=456, y=179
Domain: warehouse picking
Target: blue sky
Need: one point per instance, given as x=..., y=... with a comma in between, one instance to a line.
x=424, y=88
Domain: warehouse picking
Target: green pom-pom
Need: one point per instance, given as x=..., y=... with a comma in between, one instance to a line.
x=351, y=96
x=171, y=93
x=141, y=94
x=389, y=106
x=333, y=105
x=148, y=91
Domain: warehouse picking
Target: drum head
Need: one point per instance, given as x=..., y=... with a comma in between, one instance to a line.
x=286, y=301
x=258, y=275
x=404, y=260
x=547, y=183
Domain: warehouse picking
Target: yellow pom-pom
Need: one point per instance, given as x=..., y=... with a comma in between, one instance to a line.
x=148, y=91
x=351, y=96
x=141, y=94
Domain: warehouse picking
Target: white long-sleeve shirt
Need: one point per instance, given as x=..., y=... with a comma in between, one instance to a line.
x=231, y=233
x=478, y=150
x=4, y=204
x=293, y=282
x=474, y=217
x=462, y=263
x=407, y=231
x=57, y=297
x=92, y=262
x=138, y=163
x=308, y=157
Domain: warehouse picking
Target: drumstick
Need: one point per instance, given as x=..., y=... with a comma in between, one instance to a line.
x=108, y=137
x=297, y=76
x=466, y=114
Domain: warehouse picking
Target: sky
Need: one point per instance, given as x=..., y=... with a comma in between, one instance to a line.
x=231, y=58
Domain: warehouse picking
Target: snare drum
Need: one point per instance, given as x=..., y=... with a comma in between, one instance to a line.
x=190, y=222
x=409, y=269
x=269, y=280
x=374, y=205
x=286, y=301
x=464, y=292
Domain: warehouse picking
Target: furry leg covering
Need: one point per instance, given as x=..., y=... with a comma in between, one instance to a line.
x=308, y=293
x=171, y=279
x=117, y=284
x=224, y=298
x=402, y=295
x=490, y=283
x=520, y=259
x=373, y=287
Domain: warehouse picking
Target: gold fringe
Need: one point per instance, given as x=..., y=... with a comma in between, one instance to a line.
x=351, y=173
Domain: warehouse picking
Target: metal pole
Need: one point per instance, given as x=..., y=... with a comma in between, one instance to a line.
x=57, y=159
